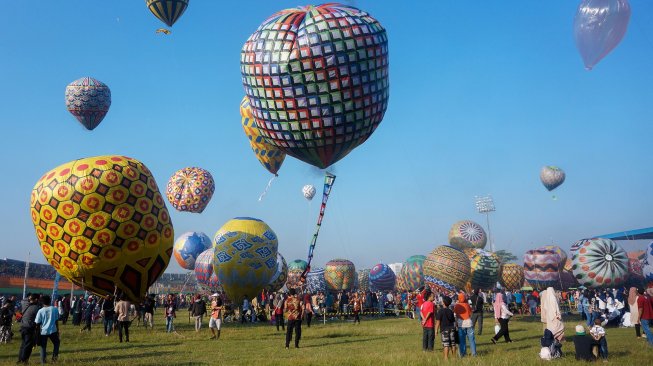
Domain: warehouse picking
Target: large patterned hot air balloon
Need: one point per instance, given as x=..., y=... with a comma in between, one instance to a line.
x=599, y=26
x=364, y=280
x=204, y=273
x=382, y=278
x=295, y=270
x=190, y=189
x=315, y=281
x=168, y=11
x=268, y=155
x=280, y=275
x=542, y=267
x=446, y=268
x=467, y=234
x=317, y=78
x=339, y=275
x=245, y=256
x=411, y=275
x=599, y=262
x=647, y=264
x=308, y=191
x=88, y=100
x=511, y=276
x=101, y=222
x=561, y=253
x=551, y=177
x=484, y=269
x=189, y=246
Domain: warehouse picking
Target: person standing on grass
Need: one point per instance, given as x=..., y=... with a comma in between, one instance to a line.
x=107, y=311
x=634, y=311
x=148, y=308
x=427, y=314
x=552, y=317
x=465, y=328
x=356, y=305
x=215, y=322
x=446, y=325
x=278, y=312
x=122, y=312
x=645, y=308
x=308, y=310
x=47, y=319
x=293, y=308
x=28, y=328
x=197, y=310
x=89, y=308
x=502, y=316
x=170, y=313
x=477, y=310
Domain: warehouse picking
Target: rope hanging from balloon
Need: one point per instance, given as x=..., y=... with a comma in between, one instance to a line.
x=267, y=188
x=329, y=179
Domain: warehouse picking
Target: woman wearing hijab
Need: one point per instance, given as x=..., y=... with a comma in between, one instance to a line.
x=543, y=315
x=634, y=310
x=502, y=316
x=551, y=314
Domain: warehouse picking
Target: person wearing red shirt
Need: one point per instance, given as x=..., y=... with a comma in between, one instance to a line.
x=428, y=326
x=420, y=301
x=645, y=307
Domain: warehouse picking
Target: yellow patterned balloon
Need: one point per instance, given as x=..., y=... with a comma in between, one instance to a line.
x=268, y=155
x=245, y=257
x=101, y=222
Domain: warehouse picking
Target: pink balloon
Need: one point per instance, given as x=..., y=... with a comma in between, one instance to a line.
x=599, y=26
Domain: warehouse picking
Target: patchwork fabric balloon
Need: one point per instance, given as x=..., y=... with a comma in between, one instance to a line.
x=245, y=256
x=382, y=278
x=552, y=177
x=542, y=267
x=88, y=100
x=511, y=276
x=280, y=275
x=206, y=278
x=102, y=222
x=364, y=280
x=308, y=191
x=599, y=26
x=168, y=11
x=317, y=78
x=268, y=155
x=484, y=270
x=189, y=246
x=190, y=189
x=467, y=234
x=315, y=281
x=339, y=275
x=600, y=262
x=411, y=275
x=295, y=270
x=446, y=268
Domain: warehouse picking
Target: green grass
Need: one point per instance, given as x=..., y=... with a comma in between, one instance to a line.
x=388, y=341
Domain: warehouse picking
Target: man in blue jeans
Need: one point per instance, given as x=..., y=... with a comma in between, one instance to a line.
x=465, y=326
x=48, y=319
x=427, y=313
x=646, y=312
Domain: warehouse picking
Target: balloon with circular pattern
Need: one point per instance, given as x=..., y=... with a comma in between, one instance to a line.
x=317, y=80
x=167, y=11
x=88, y=100
x=280, y=275
x=190, y=189
x=412, y=273
x=542, y=267
x=308, y=191
x=268, y=155
x=295, y=270
x=382, y=278
x=446, y=268
x=206, y=277
x=599, y=262
x=467, y=234
x=189, y=246
x=315, y=281
x=484, y=269
x=245, y=256
x=339, y=275
x=511, y=276
x=102, y=223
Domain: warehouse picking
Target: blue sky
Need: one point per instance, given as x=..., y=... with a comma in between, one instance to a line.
x=483, y=94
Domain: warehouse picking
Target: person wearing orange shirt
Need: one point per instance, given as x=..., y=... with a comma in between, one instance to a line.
x=465, y=328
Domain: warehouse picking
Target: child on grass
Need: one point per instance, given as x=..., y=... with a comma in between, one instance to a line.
x=598, y=334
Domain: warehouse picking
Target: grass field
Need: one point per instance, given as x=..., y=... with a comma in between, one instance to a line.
x=387, y=341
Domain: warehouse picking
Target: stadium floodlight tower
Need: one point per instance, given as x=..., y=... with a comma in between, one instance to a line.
x=485, y=205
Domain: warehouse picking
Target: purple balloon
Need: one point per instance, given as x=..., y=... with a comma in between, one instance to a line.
x=599, y=26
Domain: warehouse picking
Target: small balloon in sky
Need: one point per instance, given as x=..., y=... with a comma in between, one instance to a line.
x=88, y=100
x=308, y=191
x=599, y=26
x=168, y=11
x=552, y=177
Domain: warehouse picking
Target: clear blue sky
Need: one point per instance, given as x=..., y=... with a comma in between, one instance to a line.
x=483, y=94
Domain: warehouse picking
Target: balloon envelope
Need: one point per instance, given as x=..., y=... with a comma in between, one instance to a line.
x=295, y=270
x=446, y=268
x=484, y=269
x=189, y=246
x=168, y=11
x=467, y=234
x=308, y=191
x=551, y=177
x=364, y=280
x=206, y=277
x=382, y=278
x=542, y=267
x=339, y=275
x=88, y=100
x=599, y=26
x=411, y=275
x=511, y=276
x=268, y=155
x=280, y=275
x=315, y=281
x=190, y=189
x=599, y=262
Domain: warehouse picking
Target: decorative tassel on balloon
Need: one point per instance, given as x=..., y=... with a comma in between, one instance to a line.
x=267, y=188
x=329, y=179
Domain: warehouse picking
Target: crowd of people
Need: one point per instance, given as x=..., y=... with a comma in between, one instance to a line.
x=15, y=268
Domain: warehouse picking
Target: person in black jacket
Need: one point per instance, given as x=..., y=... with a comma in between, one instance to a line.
x=477, y=311
x=108, y=314
x=28, y=329
x=197, y=310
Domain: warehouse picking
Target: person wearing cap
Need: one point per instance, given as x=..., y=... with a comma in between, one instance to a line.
x=215, y=322
x=293, y=308
x=583, y=345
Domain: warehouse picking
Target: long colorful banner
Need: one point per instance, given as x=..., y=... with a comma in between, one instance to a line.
x=329, y=179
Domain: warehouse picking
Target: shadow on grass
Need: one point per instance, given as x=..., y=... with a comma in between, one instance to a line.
x=135, y=356
x=127, y=346
x=344, y=342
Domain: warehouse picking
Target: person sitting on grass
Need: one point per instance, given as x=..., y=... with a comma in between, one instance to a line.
x=445, y=323
x=583, y=345
x=598, y=334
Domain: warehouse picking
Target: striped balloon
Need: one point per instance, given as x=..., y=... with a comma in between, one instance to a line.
x=599, y=262
x=168, y=11
x=542, y=267
x=382, y=277
x=484, y=269
x=411, y=275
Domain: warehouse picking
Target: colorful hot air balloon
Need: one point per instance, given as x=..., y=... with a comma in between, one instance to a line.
x=88, y=100
x=295, y=270
x=317, y=78
x=364, y=280
x=268, y=155
x=102, y=222
x=551, y=177
x=206, y=277
x=467, y=234
x=647, y=264
x=189, y=246
x=190, y=189
x=245, y=256
x=599, y=26
x=542, y=267
x=484, y=269
x=339, y=275
x=280, y=275
x=382, y=278
x=308, y=191
x=446, y=268
x=511, y=276
x=315, y=281
x=412, y=273
x=168, y=11
x=561, y=253
x=599, y=262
